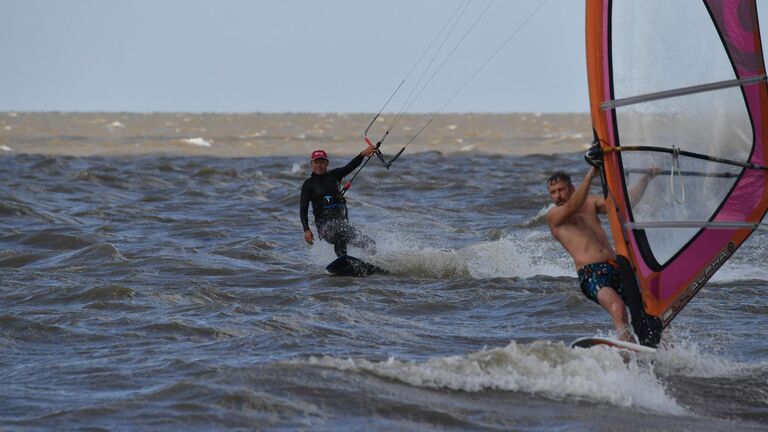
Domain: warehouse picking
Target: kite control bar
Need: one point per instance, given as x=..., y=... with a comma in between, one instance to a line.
x=387, y=163
x=378, y=152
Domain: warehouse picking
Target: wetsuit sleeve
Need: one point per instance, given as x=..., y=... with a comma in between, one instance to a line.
x=342, y=172
x=304, y=206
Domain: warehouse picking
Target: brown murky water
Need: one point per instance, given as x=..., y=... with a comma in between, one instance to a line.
x=153, y=276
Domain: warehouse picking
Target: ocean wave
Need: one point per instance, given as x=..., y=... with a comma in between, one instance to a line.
x=100, y=178
x=28, y=330
x=211, y=172
x=199, y=142
x=10, y=259
x=53, y=240
x=683, y=356
x=107, y=292
x=85, y=258
x=11, y=208
x=543, y=368
x=181, y=330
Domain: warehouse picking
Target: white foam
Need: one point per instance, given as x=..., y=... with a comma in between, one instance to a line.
x=320, y=253
x=116, y=125
x=427, y=261
x=542, y=368
x=5, y=148
x=296, y=168
x=522, y=253
x=679, y=354
x=200, y=142
x=8, y=128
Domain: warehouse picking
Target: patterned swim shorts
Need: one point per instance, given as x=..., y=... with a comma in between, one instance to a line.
x=592, y=277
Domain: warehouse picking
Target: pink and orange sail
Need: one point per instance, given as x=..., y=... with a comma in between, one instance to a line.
x=679, y=103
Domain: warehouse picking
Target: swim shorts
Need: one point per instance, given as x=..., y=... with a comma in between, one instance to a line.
x=592, y=277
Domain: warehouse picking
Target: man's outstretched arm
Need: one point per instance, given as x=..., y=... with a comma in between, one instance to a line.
x=342, y=172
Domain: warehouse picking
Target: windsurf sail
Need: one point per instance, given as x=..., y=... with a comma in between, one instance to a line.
x=678, y=95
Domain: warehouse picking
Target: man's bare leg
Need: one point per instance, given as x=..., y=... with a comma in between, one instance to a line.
x=611, y=301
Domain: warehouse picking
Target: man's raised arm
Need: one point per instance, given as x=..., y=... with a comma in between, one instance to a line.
x=558, y=215
x=342, y=172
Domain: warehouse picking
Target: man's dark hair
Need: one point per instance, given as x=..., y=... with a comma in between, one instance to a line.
x=559, y=176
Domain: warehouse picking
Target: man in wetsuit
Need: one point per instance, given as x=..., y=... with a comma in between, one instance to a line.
x=323, y=190
x=575, y=224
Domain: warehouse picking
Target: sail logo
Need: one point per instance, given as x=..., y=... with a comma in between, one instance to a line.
x=699, y=281
x=710, y=269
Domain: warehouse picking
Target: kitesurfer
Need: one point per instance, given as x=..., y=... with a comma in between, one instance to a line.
x=323, y=190
x=575, y=224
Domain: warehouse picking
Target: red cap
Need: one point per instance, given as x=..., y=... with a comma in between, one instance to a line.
x=319, y=154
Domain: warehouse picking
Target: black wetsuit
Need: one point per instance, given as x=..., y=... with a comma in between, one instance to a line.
x=330, y=209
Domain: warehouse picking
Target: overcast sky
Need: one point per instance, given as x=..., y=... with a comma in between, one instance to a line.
x=284, y=55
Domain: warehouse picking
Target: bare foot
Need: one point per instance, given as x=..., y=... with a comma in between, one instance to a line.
x=625, y=334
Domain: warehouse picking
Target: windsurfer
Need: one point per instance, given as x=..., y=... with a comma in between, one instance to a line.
x=323, y=190
x=575, y=224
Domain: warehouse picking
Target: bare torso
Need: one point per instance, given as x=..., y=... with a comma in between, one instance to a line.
x=583, y=236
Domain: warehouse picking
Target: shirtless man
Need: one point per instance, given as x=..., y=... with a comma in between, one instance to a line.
x=574, y=223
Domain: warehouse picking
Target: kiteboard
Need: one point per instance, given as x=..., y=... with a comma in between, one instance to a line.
x=593, y=341
x=346, y=265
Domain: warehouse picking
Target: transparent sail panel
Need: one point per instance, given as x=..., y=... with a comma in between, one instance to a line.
x=714, y=124
x=660, y=45
x=693, y=195
x=655, y=49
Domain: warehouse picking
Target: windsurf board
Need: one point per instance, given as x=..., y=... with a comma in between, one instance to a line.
x=592, y=341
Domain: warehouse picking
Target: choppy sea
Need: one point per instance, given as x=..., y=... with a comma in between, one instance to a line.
x=168, y=290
